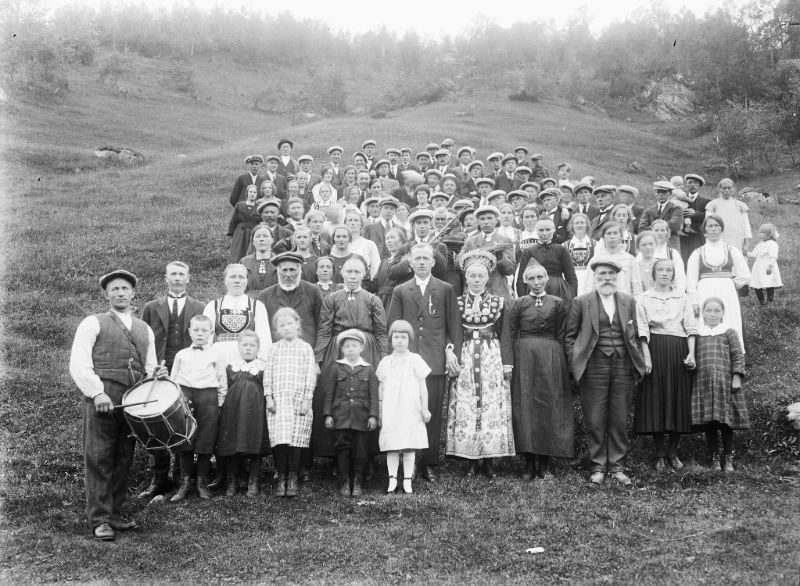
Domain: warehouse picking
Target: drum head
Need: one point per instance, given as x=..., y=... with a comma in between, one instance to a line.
x=165, y=392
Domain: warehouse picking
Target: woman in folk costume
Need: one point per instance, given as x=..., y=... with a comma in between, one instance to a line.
x=479, y=425
x=581, y=249
x=245, y=217
x=261, y=272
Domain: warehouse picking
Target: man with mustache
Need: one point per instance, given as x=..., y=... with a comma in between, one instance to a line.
x=606, y=359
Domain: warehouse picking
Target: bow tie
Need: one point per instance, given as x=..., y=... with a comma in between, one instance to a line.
x=197, y=348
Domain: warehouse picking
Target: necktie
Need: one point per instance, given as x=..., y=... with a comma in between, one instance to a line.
x=175, y=306
x=660, y=208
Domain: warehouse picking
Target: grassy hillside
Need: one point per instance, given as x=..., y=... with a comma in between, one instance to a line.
x=62, y=228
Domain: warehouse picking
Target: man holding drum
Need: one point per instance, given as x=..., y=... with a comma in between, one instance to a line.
x=169, y=318
x=111, y=352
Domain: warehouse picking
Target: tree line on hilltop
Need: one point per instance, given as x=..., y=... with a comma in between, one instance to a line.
x=741, y=66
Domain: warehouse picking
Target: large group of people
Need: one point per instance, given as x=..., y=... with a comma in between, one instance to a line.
x=413, y=305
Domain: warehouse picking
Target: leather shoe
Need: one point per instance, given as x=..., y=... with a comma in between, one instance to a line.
x=528, y=472
x=488, y=469
x=622, y=478
x=304, y=475
x=474, y=468
x=153, y=490
x=428, y=474
x=597, y=477
x=675, y=463
x=124, y=524
x=660, y=464
x=104, y=532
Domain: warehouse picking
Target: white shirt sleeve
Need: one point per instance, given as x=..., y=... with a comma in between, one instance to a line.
x=151, y=362
x=81, y=366
x=262, y=329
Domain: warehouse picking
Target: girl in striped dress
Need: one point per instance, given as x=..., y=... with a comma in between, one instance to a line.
x=290, y=376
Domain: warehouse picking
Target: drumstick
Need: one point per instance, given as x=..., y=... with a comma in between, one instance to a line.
x=155, y=379
x=135, y=404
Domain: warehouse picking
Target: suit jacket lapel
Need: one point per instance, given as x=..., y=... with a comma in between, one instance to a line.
x=164, y=310
x=622, y=309
x=594, y=312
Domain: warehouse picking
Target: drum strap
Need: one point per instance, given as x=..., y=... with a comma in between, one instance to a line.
x=142, y=357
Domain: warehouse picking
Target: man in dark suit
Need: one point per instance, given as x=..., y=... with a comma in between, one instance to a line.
x=583, y=197
x=665, y=210
x=604, y=195
x=269, y=211
x=487, y=236
x=272, y=174
x=287, y=166
x=335, y=163
x=305, y=164
x=431, y=307
x=169, y=318
x=376, y=231
x=422, y=225
x=368, y=148
x=602, y=346
x=559, y=215
x=627, y=195
x=424, y=161
x=691, y=237
x=507, y=179
x=393, y=156
x=239, y=191
x=405, y=165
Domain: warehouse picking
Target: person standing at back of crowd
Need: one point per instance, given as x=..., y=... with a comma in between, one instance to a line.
x=734, y=214
x=664, y=209
x=691, y=237
x=287, y=166
x=169, y=318
x=502, y=247
x=604, y=195
x=111, y=352
x=253, y=177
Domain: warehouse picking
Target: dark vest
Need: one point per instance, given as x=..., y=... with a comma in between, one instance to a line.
x=115, y=355
x=176, y=334
x=612, y=336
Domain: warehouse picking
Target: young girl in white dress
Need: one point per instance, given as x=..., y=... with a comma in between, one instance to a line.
x=766, y=275
x=403, y=404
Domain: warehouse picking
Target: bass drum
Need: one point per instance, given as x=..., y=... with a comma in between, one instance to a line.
x=166, y=422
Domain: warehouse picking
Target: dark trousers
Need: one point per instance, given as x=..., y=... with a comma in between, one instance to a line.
x=205, y=408
x=437, y=387
x=351, y=447
x=606, y=394
x=108, y=452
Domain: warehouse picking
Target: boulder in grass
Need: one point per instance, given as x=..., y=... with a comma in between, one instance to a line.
x=122, y=155
x=794, y=415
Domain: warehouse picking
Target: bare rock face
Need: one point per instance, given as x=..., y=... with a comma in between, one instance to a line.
x=121, y=155
x=667, y=99
x=756, y=195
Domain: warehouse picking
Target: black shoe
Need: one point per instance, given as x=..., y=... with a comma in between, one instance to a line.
x=488, y=469
x=153, y=490
x=304, y=475
x=183, y=491
x=428, y=473
x=474, y=468
x=202, y=488
x=218, y=483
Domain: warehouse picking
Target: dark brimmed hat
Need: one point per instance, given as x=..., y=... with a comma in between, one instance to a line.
x=448, y=142
x=579, y=186
x=516, y=194
x=521, y=148
x=509, y=157
x=550, y=192
x=464, y=213
x=254, y=159
x=286, y=257
x=275, y=158
x=118, y=274
x=431, y=146
x=285, y=141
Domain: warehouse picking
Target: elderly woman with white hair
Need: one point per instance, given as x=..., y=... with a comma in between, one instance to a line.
x=541, y=392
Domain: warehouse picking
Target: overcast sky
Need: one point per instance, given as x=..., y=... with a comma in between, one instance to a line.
x=432, y=19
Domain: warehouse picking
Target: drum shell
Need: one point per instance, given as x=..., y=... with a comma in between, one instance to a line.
x=171, y=427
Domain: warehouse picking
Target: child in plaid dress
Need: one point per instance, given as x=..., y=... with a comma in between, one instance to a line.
x=289, y=380
x=718, y=402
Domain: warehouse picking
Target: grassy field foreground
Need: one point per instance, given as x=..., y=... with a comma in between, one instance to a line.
x=62, y=229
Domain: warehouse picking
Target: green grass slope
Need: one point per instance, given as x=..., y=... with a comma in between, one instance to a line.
x=62, y=228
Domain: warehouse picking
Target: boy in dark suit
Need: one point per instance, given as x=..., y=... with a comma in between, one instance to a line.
x=239, y=191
